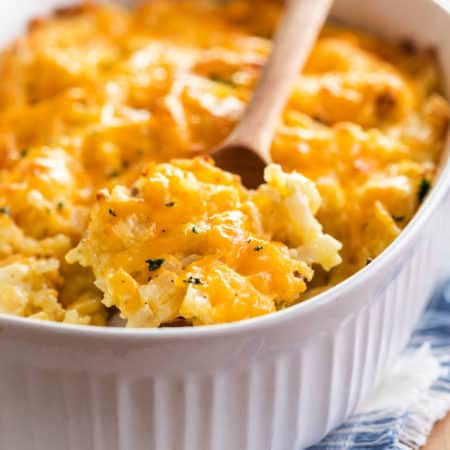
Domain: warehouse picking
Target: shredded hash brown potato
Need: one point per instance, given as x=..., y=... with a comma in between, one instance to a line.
x=107, y=202
x=188, y=240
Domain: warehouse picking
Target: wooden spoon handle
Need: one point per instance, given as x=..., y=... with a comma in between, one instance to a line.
x=296, y=35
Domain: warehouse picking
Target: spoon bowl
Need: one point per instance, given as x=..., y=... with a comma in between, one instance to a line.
x=243, y=161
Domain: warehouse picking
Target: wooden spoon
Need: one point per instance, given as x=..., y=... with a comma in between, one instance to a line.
x=246, y=151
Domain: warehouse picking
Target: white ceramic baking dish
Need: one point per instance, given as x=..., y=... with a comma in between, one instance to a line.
x=279, y=382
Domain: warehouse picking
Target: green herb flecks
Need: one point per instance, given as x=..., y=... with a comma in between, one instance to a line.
x=222, y=80
x=424, y=188
x=154, y=264
x=192, y=280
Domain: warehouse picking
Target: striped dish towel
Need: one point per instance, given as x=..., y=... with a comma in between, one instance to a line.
x=401, y=412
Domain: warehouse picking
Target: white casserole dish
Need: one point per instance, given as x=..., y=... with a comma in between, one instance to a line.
x=279, y=382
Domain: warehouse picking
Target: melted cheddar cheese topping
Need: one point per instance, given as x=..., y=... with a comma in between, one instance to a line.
x=187, y=240
x=107, y=202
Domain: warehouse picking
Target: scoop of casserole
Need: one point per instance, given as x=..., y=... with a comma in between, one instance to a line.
x=188, y=240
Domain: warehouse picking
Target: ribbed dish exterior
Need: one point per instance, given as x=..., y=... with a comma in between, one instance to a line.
x=273, y=384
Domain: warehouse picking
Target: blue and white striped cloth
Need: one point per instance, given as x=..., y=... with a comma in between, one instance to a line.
x=405, y=419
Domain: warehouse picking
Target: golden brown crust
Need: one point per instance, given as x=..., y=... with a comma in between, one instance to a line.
x=62, y=12
x=75, y=10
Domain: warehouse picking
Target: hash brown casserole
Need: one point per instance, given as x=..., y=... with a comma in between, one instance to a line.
x=108, y=202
